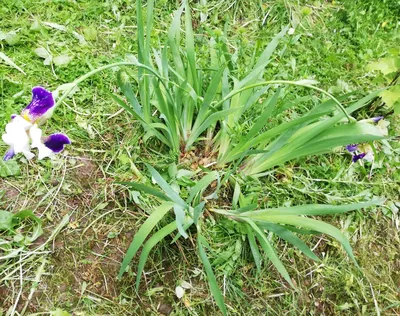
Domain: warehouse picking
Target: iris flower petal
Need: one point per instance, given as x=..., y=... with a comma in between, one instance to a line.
x=52, y=145
x=369, y=156
x=35, y=133
x=377, y=119
x=352, y=147
x=357, y=157
x=9, y=154
x=40, y=107
x=56, y=142
x=17, y=138
x=383, y=126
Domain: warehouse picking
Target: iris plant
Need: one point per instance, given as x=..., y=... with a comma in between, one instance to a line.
x=182, y=103
x=23, y=132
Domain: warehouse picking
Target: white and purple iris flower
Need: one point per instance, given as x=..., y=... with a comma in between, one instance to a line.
x=354, y=150
x=23, y=132
x=365, y=151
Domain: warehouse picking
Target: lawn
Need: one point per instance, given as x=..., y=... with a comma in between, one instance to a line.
x=68, y=261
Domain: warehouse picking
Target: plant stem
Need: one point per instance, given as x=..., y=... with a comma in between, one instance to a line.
x=100, y=69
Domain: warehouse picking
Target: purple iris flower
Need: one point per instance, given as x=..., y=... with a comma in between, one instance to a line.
x=22, y=132
x=367, y=154
x=357, y=157
x=352, y=147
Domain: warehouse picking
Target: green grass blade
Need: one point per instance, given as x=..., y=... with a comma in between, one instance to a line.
x=254, y=247
x=224, y=46
x=153, y=132
x=255, y=97
x=212, y=119
x=149, y=25
x=237, y=192
x=172, y=132
x=329, y=104
x=166, y=187
x=294, y=103
x=147, y=189
x=213, y=88
x=223, y=141
x=302, y=231
x=180, y=219
x=127, y=90
x=312, y=224
x=186, y=226
x=356, y=132
x=356, y=129
x=242, y=98
x=158, y=126
x=361, y=103
x=202, y=185
x=161, y=62
x=127, y=108
x=263, y=60
x=180, y=100
x=209, y=96
x=174, y=41
x=10, y=62
x=165, y=63
x=142, y=234
x=144, y=58
x=149, y=245
x=270, y=251
x=267, y=110
x=212, y=281
x=161, y=103
x=245, y=143
x=247, y=208
x=265, y=137
x=287, y=235
x=190, y=50
x=253, y=76
x=197, y=211
x=179, y=83
x=312, y=209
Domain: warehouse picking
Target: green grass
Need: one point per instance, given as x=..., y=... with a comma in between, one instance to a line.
x=82, y=263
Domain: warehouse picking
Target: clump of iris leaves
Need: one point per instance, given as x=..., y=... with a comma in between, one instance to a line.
x=183, y=107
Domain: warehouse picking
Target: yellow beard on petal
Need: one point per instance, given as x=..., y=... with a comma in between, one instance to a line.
x=26, y=117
